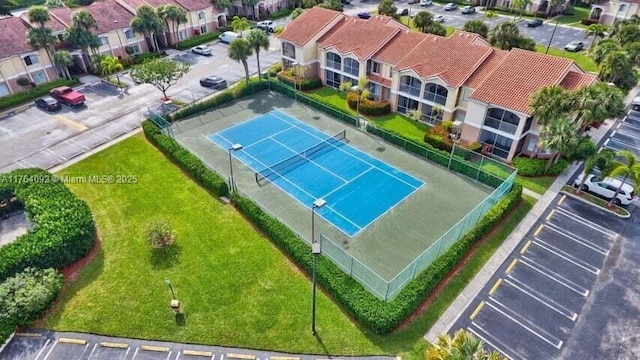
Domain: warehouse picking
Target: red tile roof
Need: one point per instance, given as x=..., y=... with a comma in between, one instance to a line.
x=109, y=15
x=463, y=37
x=13, y=37
x=63, y=18
x=483, y=71
x=518, y=77
x=301, y=30
x=193, y=5
x=350, y=35
x=452, y=60
x=54, y=24
x=396, y=49
x=575, y=80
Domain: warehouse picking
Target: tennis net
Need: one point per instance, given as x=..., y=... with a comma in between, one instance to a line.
x=276, y=170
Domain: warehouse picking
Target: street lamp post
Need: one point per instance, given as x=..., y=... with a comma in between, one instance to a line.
x=173, y=294
x=234, y=147
x=357, y=90
x=295, y=79
x=552, y=34
x=315, y=250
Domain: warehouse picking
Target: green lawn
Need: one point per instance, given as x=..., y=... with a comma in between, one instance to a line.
x=405, y=20
x=581, y=58
x=574, y=20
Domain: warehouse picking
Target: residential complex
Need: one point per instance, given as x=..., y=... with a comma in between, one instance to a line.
x=608, y=12
x=485, y=91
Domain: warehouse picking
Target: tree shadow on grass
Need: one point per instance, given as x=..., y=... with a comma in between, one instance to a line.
x=165, y=258
x=181, y=319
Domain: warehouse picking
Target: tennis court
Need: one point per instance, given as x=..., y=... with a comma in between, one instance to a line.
x=309, y=164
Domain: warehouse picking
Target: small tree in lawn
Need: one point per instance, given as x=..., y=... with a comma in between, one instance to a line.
x=476, y=26
x=159, y=234
x=161, y=73
x=239, y=24
x=628, y=169
x=240, y=50
x=111, y=65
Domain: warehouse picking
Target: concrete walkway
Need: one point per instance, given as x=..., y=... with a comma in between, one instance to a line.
x=463, y=300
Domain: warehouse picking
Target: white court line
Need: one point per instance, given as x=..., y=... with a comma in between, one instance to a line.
x=553, y=276
x=489, y=342
x=347, y=182
x=270, y=137
x=566, y=313
x=557, y=344
x=43, y=347
x=576, y=239
x=589, y=223
x=219, y=133
x=566, y=256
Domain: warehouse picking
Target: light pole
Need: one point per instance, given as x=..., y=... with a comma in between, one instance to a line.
x=173, y=294
x=315, y=250
x=118, y=33
x=357, y=90
x=234, y=147
x=295, y=79
x=553, y=33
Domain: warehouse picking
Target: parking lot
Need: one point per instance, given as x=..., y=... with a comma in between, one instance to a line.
x=533, y=303
x=626, y=135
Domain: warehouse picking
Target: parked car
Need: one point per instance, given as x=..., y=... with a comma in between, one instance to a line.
x=606, y=188
x=266, y=25
x=574, y=46
x=402, y=12
x=202, y=50
x=214, y=81
x=438, y=18
x=364, y=15
x=228, y=36
x=635, y=103
x=48, y=103
x=534, y=22
x=426, y=2
x=468, y=10
x=346, y=2
x=450, y=7
x=411, y=2
x=67, y=96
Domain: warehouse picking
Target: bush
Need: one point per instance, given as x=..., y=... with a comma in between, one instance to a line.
x=585, y=148
x=274, y=69
x=187, y=161
x=63, y=230
x=38, y=91
x=280, y=14
x=438, y=137
x=26, y=295
x=588, y=21
x=159, y=234
x=198, y=40
x=529, y=167
x=558, y=167
x=303, y=85
x=140, y=58
x=368, y=106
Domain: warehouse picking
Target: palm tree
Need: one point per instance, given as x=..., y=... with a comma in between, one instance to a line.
x=178, y=16
x=559, y=136
x=629, y=168
x=602, y=161
x=597, y=31
x=80, y=35
x=549, y=103
x=222, y=4
x=83, y=20
x=552, y=5
x=147, y=22
x=239, y=24
x=422, y=20
x=520, y=6
x=258, y=39
x=462, y=346
x=615, y=66
x=597, y=103
x=488, y=15
x=42, y=38
x=63, y=60
x=505, y=35
x=110, y=65
x=240, y=50
x=38, y=14
x=161, y=12
x=602, y=49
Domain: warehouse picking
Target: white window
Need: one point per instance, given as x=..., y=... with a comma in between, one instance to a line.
x=31, y=59
x=39, y=77
x=531, y=146
x=129, y=34
x=4, y=89
x=203, y=29
x=182, y=34
x=375, y=68
x=136, y=49
x=201, y=15
x=104, y=40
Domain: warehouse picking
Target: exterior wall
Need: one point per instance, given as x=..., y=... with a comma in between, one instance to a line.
x=14, y=67
x=193, y=23
x=618, y=10
x=470, y=133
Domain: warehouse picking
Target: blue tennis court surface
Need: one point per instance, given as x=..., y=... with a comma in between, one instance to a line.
x=309, y=164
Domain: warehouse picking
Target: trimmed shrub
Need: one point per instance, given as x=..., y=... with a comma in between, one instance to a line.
x=438, y=137
x=303, y=85
x=558, y=167
x=274, y=69
x=64, y=229
x=585, y=148
x=198, y=40
x=588, y=21
x=535, y=167
x=140, y=58
x=26, y=295
x=368, y=106
x=280, y=14
x=38, y=91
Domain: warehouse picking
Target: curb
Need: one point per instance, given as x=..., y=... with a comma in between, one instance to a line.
x=597, y=206
x=6, y=342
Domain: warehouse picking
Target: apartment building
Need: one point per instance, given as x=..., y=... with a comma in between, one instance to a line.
x=608, y=12
x=460, y=78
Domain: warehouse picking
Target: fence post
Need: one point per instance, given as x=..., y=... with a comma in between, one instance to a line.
x=481, y=165
x=451, y=156
x=351, y=267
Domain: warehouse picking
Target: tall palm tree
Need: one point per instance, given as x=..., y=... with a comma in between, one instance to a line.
x=43, y=37
x=110, y=65
x=519, y=6
x=83, y=20
x=549, y=103
x=177, y=16
x=602, y=160
x=597, y=31
x=462, y=346
x=597, y=103
x=559, y=136
x=615, y=66
x=38, y=14
x=63, y=60
x=628, y=169
x=148, y=23
x=239, y=24
x=240, y=50
x=602, y=49
x=161, y=12
x=505, y=35
x=552, y=5
x=258, y=39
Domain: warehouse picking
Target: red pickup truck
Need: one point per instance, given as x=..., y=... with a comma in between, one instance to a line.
x=67, y=96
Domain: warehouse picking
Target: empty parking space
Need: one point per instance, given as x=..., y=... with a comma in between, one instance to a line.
x=626, y=135
x=63, y=349
x=531, y=305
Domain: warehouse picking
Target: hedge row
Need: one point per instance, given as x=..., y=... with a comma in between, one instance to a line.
x=367, y=106
x=63, y=230
x=379, y=316
x=187, y=161
x=38, y=91
x=535, y=167
x=198, y=40
x=280, y=14
x=303, y=85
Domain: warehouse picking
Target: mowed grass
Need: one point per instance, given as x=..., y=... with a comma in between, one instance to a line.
x=581, y=58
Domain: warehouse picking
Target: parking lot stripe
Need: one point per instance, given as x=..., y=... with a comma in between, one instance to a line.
x=69, y=123
x=483, y=338
x=546, y=301
x=513, y=263
x=552, y=340
x=72, y=341
x=55, y=342
x=71, y=141
x=197, y=353
x=573, y=237
x=95, y=346
x=495, y=287
x=562, y=199
x=114, y=345
x=538, y=230
x=283, y=358
x=525, y=247
x=555, y=277
x=550, y=214
x=477, y=310
x=43, y=347
x=591, y=224
x=566, y=256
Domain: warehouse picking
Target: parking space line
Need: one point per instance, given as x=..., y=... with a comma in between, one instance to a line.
x=283, y=358
x=550, y=303
x=624, y=132
x=95, y=346
x=550, y=214
x=43, y=347
x=571, y=236
x=538, y=230
x=73, y=142
x=624, y=143
x=51, y=152
x=489, y=342
x=586, y=222
x=477, y=310
x=241, y=356
x=566, y=256
x=562, y=199
x=19, y=162
x=51, y=350
x=495, y=287
x=555, y=342
x=513, y=263
x=555, y=277
x=135, y=353
x=525, y=247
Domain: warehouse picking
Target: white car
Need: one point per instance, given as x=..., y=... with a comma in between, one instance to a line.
x=266, y=25
x=450, y=7
x=438, y=18
x=426, y=2
x=228, y=36
x=606, y=188
x=202, y=50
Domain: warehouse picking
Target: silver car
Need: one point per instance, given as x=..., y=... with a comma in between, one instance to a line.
x=202, y=50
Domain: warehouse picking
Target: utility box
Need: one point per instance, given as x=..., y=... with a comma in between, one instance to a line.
x=175, y=306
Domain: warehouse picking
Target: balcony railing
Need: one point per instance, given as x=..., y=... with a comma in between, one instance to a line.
x=335, y=65
x=433, y=97
x=409, y=90
x=500, y=125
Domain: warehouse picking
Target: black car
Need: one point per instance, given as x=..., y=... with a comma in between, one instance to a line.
x=346, y=2
x=403, y=12
x=48, y=103
x=364, y=15
x=534, y=23
x=215, y=82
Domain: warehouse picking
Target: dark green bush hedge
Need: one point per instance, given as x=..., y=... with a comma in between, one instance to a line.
x=64, y=229
x=558, y=167
x=38, y=91
x=189, y=162
x=280, y=14
x=198, y=40
x=367, y=106
x=535, y=167
x=438, y=142
x=302, y=85
x=585, y=148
